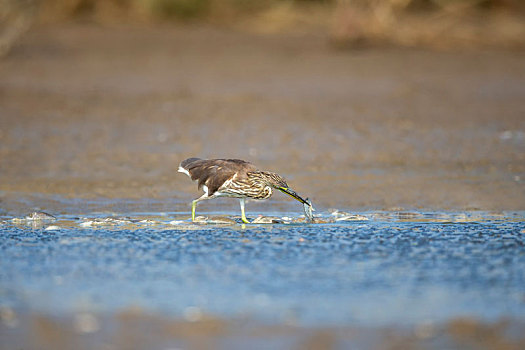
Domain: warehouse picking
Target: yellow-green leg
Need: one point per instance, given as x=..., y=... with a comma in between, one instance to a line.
x=194, y=203
x=243, y=215
x=193, y=206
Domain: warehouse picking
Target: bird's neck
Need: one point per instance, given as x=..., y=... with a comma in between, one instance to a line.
x=259, y=183
x=259, y=178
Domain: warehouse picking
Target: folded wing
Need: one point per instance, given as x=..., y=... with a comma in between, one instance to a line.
x=212, y=173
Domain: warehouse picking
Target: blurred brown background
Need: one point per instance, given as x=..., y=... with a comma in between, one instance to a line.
x=360, y=104
x=434, y=23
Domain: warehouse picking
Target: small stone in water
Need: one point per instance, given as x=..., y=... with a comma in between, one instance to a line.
x=148, y=222
x=40, y=215
x=177, y=222
x=221, y=220
x=266, y=220
x=86, y=224
x=351, y=217
x=104, y=222
x=200, y=220
x=344, y=216
x=217, y=220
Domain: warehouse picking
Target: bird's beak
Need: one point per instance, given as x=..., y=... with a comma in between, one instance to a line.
x=292, y=194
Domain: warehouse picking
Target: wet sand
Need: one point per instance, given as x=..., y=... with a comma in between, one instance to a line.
x=133, y=329
x=91, y=112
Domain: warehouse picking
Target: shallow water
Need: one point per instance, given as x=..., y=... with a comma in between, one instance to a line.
x=370, y=268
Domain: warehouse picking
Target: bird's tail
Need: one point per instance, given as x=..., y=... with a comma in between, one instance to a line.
x=185, y=165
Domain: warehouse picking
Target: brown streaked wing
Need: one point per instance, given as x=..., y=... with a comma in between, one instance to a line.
x=214, y=172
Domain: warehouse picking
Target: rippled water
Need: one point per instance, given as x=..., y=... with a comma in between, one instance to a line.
x=374, y=268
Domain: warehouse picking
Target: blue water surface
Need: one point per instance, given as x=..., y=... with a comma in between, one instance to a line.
x=388, y=269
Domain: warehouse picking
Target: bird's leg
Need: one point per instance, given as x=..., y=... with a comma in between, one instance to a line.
x=194, y=204
x=243, y=215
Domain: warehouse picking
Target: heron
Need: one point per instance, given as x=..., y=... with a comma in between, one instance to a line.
x=234, y=178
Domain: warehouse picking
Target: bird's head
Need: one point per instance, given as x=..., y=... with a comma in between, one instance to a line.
x=278, y=182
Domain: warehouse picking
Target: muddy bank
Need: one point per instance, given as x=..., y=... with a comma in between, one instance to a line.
x=98, y=113
x=133, y=329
